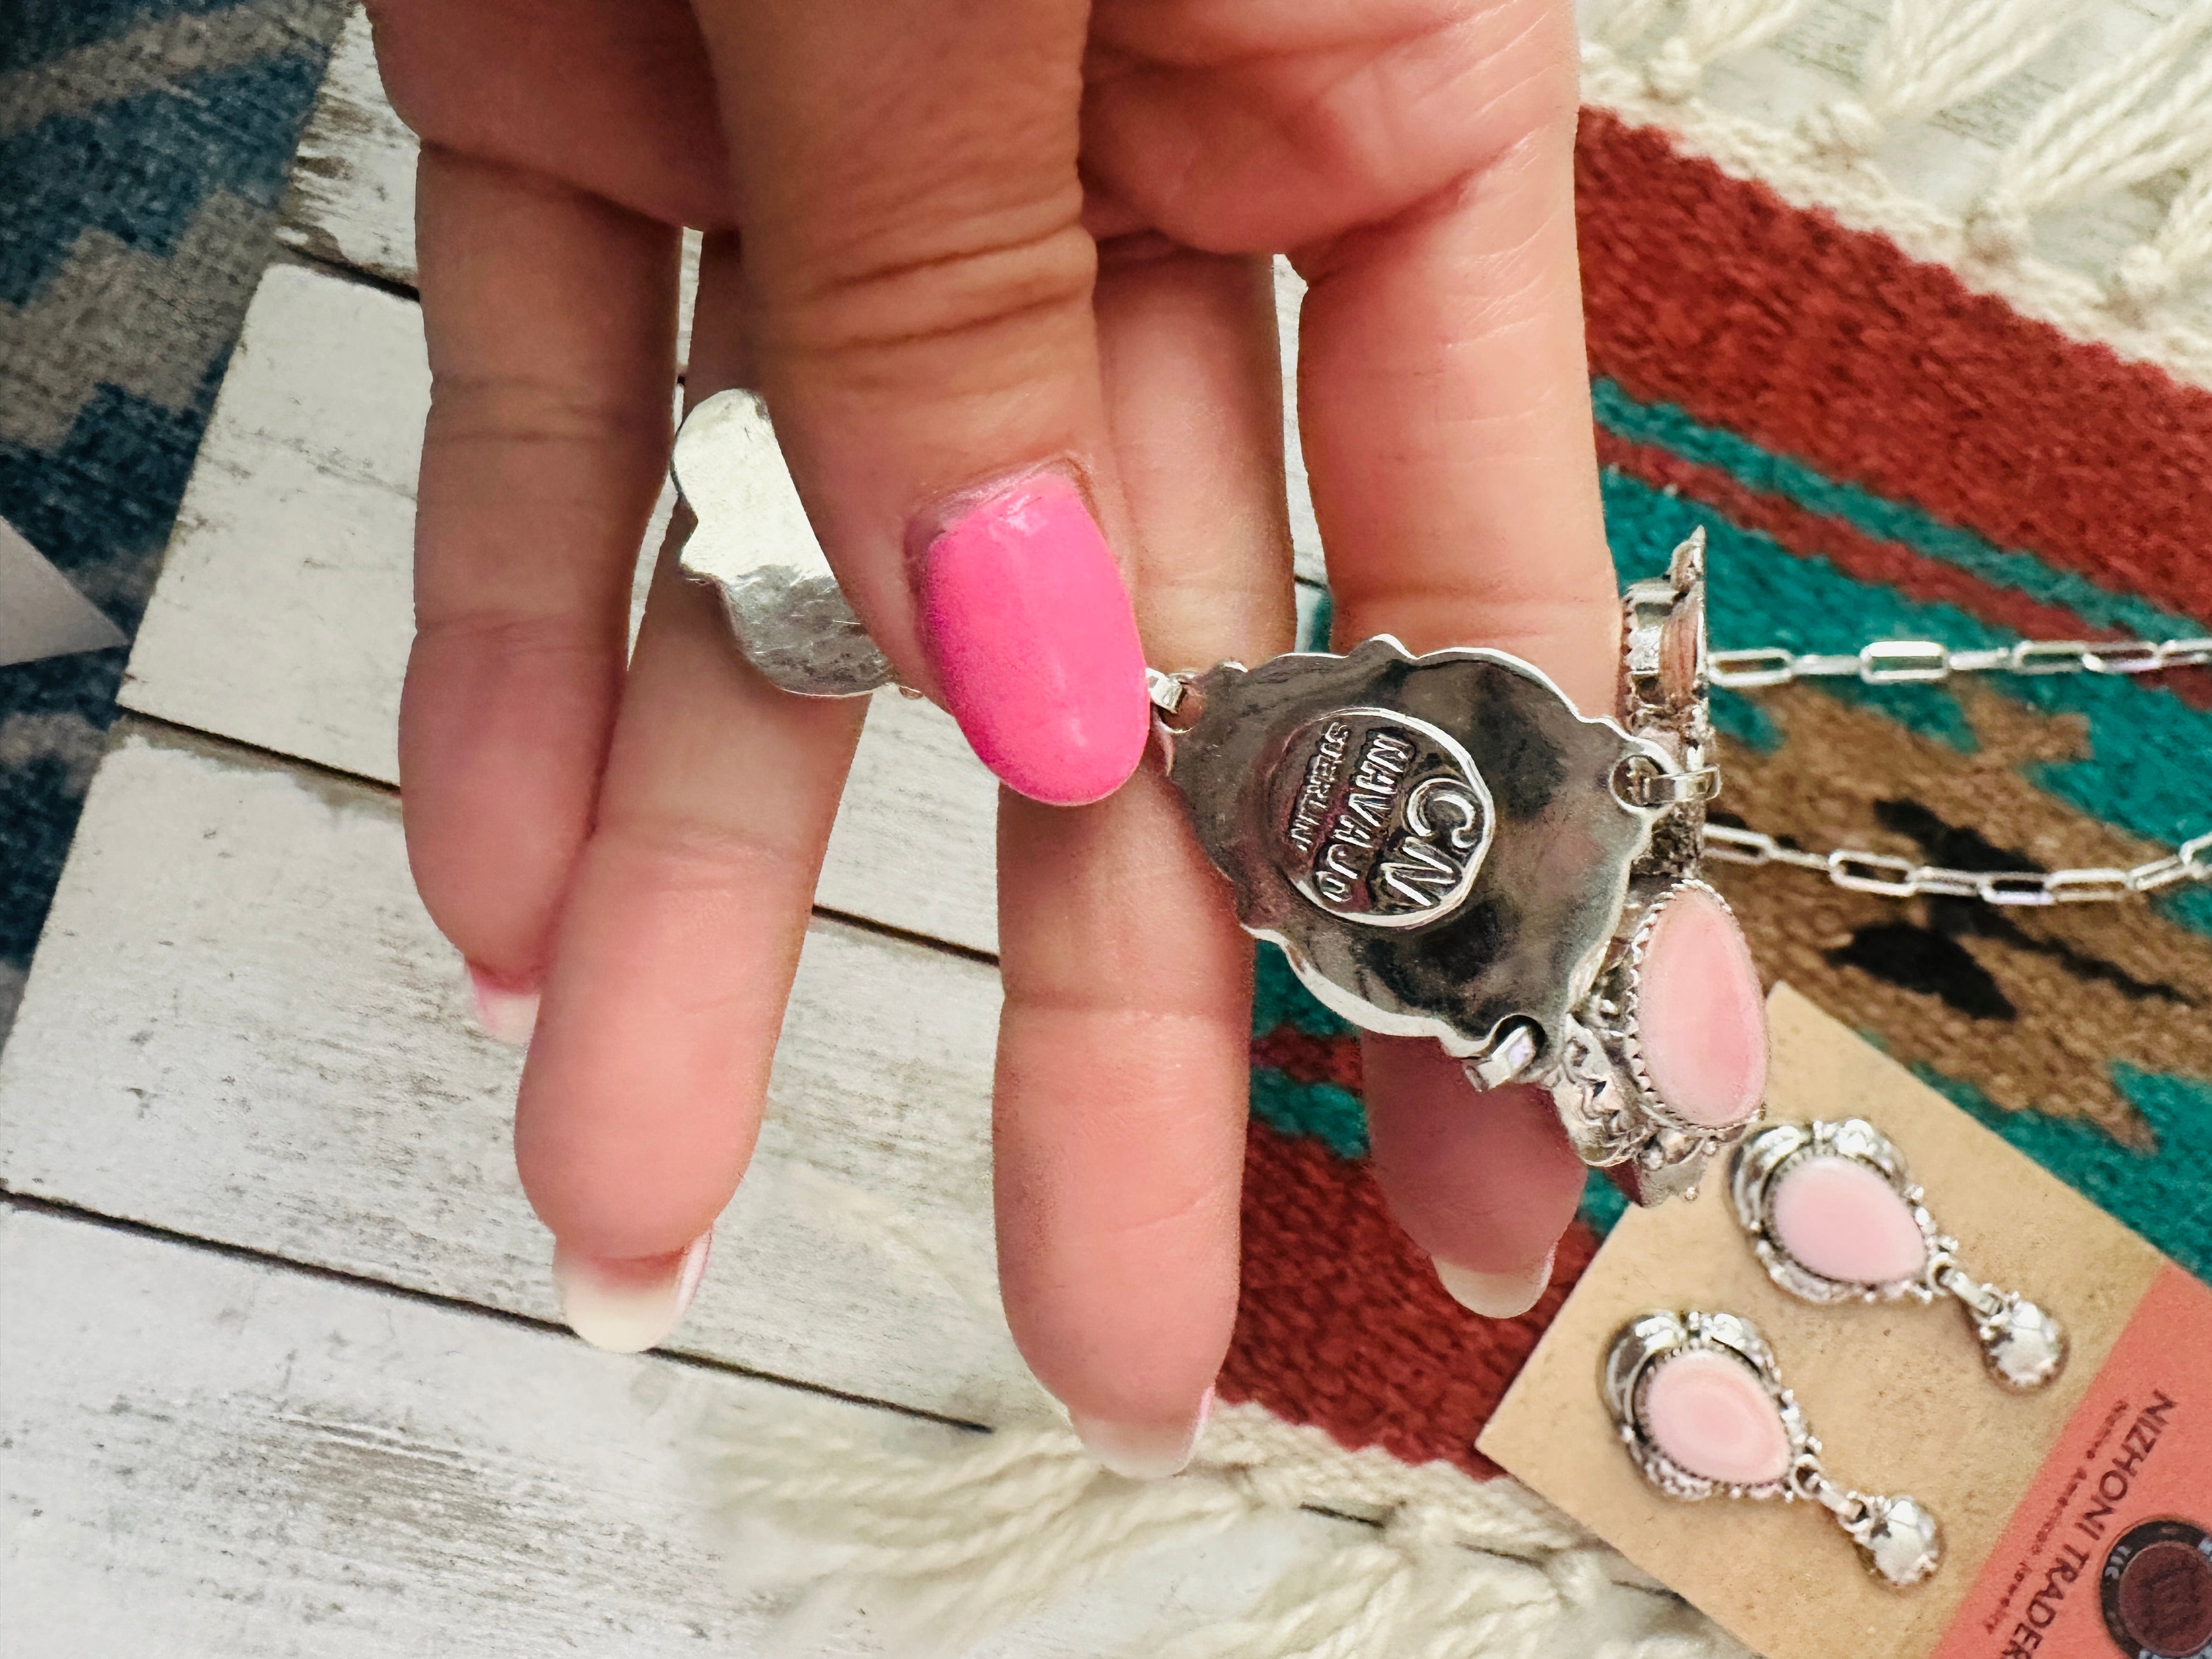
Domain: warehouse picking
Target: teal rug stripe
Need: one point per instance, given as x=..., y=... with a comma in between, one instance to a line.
x=2160, y=1194
x=1602, y=1204
x=1335, y=1116
x=1762, y=469
x=1277, y=999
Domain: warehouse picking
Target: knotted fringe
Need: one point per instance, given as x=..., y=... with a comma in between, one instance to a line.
x=1931, y=56
x=943, y=1549
x=2126, y=120
x=2149, y=112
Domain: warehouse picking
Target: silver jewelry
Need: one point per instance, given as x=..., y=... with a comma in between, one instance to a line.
x=753, y=542
x=1780, y=1177
x=1904, y=662
x=1750, y=1441
x=1445, y=846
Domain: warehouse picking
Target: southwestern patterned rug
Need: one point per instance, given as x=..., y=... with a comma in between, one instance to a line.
x=143, y=146
x=1876, y=453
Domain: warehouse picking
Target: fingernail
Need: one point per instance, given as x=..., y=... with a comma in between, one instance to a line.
x=506, y=1016
x=627, y=1307
x=1496, y=1296
x=1142, y=1451
x=1031, y=632
x=1699, y=1017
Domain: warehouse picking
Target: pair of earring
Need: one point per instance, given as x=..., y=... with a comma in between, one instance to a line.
x=1833, y=1216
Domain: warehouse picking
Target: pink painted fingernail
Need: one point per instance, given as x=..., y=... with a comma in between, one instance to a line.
x=1142, y=1451
x=1701, y=1019
x=1496, y=1296
x=506, y=1014
x=1031, y=632
x=627, y=1307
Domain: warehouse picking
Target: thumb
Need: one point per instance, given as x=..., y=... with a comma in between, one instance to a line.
x=917, y=292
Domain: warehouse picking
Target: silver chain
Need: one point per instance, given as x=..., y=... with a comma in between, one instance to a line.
x=1914, y=662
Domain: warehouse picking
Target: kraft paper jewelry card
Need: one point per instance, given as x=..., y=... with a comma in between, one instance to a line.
x=2052, y=1427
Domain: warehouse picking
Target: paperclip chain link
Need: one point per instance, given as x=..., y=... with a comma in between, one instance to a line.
x=1909, y=662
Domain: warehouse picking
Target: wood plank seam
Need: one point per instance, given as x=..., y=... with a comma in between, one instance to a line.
x=31, y=1203
x=155, y=723
x=324, y=265
x=243, y=1026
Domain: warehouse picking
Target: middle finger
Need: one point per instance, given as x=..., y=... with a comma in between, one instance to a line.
x=1122, y=1048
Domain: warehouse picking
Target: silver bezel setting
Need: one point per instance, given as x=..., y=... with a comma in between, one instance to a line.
x=1525, y=939
x=1764, y=1161
x=1602, y=1088
x=1634, y=1357
x=1629, y=1120
x=1592, y=829
x=2023, y=1345
x=1897, y=1539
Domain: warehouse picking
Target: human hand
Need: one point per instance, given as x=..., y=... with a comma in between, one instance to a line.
x=1003, y=288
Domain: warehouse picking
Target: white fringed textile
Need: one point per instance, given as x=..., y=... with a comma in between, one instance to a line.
x=943, y=1549
x=2149, y=112
x=1931, y=55
x=2129, y=123
x=1712, y=29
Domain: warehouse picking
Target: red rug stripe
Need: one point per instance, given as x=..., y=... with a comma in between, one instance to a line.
x=1868, y=558
x=1712, y=293
x=1343, y=1324
x=1305, y=1059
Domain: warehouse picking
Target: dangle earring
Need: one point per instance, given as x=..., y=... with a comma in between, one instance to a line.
x=1834, y=1217
x=1700, y=1406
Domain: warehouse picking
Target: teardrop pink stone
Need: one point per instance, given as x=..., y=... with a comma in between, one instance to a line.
x=1699, y=1015
x=1844, y=1222
x=1712, y=1415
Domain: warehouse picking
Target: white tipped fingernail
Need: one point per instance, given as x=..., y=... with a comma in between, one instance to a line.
x=1142, y=1451
x=506, y=1016
x=1496, y=1296
x=627, y=1307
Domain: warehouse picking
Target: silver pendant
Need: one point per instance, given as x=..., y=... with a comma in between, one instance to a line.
x=1445, y=846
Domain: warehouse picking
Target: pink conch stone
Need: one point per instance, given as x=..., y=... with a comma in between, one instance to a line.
x=1700, y=1016
x=1713, y=1416
x=1844, y=1222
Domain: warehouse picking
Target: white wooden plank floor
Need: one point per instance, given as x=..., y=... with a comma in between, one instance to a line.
x=210, y=1455
x=283, y=614
x=242, y=1027
x=278, y=1368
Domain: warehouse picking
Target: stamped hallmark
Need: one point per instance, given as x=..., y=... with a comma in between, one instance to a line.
x=1384, y=819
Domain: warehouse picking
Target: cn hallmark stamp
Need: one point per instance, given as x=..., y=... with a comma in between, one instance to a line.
x=1384, y=819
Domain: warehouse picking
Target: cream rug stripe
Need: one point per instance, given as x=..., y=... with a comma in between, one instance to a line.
x=2055, y=154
